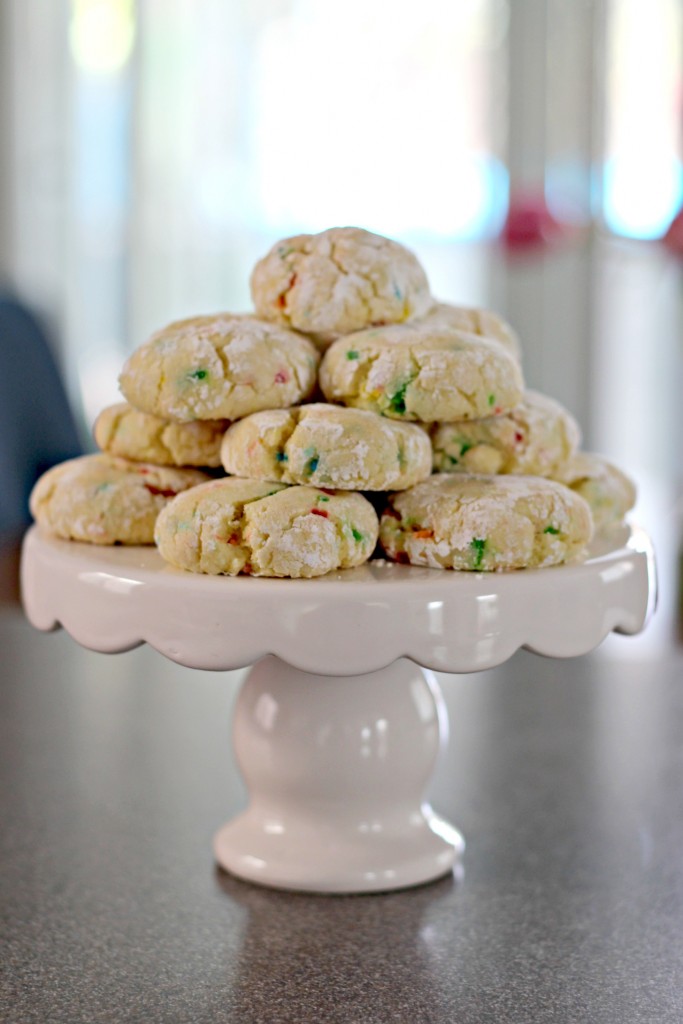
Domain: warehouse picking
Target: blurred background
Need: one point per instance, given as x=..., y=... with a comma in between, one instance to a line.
x=529, y=151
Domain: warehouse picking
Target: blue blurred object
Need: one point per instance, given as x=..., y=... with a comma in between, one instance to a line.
x=37, y=426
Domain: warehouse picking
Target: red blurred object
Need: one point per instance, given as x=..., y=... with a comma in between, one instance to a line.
x=529, y=223
x=673, y=239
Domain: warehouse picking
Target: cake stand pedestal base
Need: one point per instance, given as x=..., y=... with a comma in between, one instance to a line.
x=336, y=768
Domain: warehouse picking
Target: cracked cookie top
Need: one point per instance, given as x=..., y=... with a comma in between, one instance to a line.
x=536, y=439
x=339, y=281
x=328, y=446
x=485, y=523
x=422, y=371
x=608, y=490
x=475, y=321
x=219, y=367
x=122, y=430
x=234, y=526
x=102, y=499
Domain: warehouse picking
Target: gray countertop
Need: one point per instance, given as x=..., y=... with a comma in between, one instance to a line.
x=566, y=778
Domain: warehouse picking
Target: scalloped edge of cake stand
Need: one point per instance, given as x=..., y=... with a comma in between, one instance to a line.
x=346, y=623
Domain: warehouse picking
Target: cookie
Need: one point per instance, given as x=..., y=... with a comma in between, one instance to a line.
x=421, y=371
x=219, y=367
x=607, y=489
x=339, y=281
x=103, y=499
x=328, y=446
x=233, y=526
x=475, y=321
x=482, y=523
x=125, y=431
x=536, y=438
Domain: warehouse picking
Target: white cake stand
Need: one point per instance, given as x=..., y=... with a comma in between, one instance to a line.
x=337, y=728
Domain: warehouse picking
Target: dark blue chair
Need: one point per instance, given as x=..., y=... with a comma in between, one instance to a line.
x=37, y=426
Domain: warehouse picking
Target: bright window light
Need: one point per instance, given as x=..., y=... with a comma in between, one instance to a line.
x=102, y=34
x=363, y=118
x=642, y=193
x=643, y=182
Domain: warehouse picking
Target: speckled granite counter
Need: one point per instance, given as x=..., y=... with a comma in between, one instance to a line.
x=566, y=778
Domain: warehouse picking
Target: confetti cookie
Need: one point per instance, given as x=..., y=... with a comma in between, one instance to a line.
x=328, y=446
x=421, y=371
x=485, y=523
x=606, y=488
x=339, y=281
x=236, y=526
x=536, y=438
x=475, y=321
x=122, y=430
x=219, y=367
x=107, y=500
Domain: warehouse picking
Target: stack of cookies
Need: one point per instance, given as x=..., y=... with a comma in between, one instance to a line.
x=426, y=418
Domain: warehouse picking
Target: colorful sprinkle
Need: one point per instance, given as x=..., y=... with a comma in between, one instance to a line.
x=397, y=402
x=357, y=535
x=233, y=539
x=478, y=545
x=352, y=354
x=551, y=529
x=313, y=460
x=519, y=437
x=281, y=377
x=464, y=448
x=197, y=374
x=165, y=492
x=321, y=498
x=492, y=399
x=281, y=300
x=280, y=456
x=320, y=512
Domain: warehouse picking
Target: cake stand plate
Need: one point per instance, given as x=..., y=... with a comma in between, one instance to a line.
x=339, y=722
